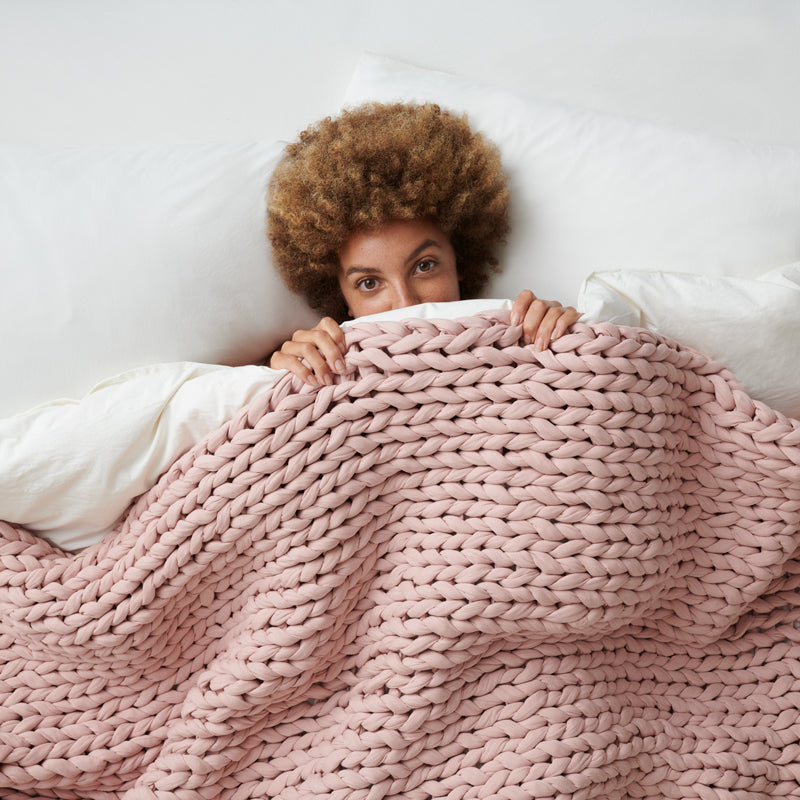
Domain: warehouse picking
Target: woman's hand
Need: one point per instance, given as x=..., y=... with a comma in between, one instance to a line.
x=313, y=355
x=542, y=322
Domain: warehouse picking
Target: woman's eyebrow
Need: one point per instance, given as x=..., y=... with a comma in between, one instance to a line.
x=355, y=270
x=423, y=246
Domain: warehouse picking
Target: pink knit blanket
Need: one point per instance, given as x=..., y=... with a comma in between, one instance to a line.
x=465, y=570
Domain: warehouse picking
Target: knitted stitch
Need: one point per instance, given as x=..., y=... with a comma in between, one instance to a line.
x=465, y=570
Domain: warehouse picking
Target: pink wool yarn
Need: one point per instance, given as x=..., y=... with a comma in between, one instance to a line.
x=465, y=570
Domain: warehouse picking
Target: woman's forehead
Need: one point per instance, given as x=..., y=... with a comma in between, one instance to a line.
x=398, y=241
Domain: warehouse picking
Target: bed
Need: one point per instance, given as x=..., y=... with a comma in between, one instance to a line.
x=467, y=569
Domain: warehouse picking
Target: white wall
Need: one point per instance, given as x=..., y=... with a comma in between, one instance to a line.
x=112, y=71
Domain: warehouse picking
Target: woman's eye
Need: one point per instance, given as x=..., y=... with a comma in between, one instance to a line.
x=367, y=284
x=425, y=266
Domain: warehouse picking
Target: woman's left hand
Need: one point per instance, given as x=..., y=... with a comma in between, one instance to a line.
x=542, y=322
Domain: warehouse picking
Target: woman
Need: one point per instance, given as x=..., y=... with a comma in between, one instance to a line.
x=384, y=207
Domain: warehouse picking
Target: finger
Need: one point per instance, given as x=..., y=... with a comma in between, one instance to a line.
x=319, y=350
x=520, y=306
x=281, y=360
x=568, y=317
x=310, y=353
x=323, y=340
x=336, y=334
x=333, y=329
x=533, y=320
x=544, y=333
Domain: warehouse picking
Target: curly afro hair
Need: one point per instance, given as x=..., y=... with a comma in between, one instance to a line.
x=374, y=164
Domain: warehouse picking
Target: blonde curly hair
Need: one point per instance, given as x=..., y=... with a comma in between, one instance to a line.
x=374, y=164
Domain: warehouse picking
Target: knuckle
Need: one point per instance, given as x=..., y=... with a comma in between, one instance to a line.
x=307, y=350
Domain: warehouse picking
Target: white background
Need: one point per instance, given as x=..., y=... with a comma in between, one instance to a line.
x=119, y=71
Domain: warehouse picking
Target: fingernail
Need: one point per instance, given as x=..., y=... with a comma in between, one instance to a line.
x=515, y=319
x=311, y=380
x=327, y=380
x=339, y=366
x=540, y=344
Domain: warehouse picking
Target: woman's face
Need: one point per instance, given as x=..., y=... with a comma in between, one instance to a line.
x=400, y=264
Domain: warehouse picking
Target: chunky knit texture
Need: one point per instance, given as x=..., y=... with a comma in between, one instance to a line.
x=465, y=570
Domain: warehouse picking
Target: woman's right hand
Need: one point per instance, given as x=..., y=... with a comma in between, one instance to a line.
x=313, y=355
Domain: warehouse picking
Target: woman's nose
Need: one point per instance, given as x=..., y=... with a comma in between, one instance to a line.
x=404, y=296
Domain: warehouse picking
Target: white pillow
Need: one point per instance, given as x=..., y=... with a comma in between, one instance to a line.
x=751, y=326
x=592, y=191
x=69, y=469
x=113, y=258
